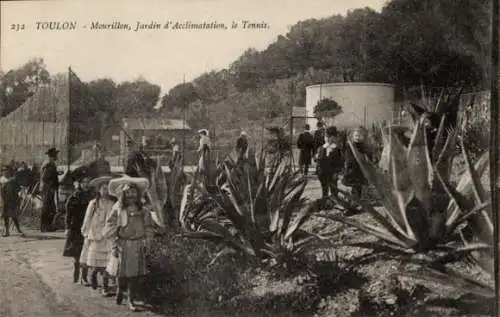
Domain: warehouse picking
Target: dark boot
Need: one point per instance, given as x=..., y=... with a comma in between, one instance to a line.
x=120, y=285
x=7, y=227
x=131, y=294
x=18, y=227
x=84, y=276
x=76, y=271
x=105, y=284
x=93, y=279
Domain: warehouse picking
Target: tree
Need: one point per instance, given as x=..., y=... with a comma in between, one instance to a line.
x=179, y=96
x=327, y=106
x=137, y=97
x=17, y=85
x=104, y=90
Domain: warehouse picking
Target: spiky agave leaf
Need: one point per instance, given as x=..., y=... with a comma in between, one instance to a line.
x=459, y=253
x=452, y=279
x=376, y=231
x=385, y=220
x=383, y=188
x=420, y=167
x=294, y=203
x=484, y=225
x=188, y=196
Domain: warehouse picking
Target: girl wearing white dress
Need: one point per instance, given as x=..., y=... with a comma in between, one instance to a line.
x=99, y=247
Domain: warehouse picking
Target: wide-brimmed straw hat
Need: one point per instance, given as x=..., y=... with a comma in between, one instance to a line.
x=97, y=182
x=116, y=185
x=203, y=131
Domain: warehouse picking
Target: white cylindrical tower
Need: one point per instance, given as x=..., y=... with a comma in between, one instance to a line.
x=362, y=103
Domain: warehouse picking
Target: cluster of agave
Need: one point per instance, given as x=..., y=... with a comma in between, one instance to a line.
x=255, y=212
x=423, y=213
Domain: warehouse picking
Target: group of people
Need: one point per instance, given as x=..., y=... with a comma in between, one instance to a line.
x=327, y=146
x=108, y=232
x=15, y=178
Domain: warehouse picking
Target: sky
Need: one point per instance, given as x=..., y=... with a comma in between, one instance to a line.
x=162, y=56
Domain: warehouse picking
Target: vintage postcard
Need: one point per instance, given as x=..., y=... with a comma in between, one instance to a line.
x=248, y=158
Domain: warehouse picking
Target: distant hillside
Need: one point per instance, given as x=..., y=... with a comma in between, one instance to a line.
x=410, y=43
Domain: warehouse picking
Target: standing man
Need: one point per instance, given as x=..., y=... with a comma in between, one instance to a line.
x=49, y=184
x=305, y=143
x=242, y=146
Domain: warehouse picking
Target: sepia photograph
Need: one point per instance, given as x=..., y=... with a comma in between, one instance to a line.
x=288, y=158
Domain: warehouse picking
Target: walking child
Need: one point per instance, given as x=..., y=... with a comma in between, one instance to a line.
x=99, y=247
x=76, y=206
x=130, y=228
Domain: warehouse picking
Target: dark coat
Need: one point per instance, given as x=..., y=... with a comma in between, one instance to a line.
x=353, y=175
x=10, y=197
x=319, y=139
x=305, y=143
x=331, y=164
x=49, y=181
x=76, y=206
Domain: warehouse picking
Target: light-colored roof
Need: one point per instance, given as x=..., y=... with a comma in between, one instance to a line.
x=154, y=124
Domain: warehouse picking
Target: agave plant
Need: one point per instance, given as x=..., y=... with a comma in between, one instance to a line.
x=422, y=211
x=260, y=215
x=193, y=204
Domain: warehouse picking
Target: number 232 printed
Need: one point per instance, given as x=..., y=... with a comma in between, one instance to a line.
x=17, y=27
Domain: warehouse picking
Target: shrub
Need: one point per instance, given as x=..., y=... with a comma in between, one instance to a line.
x=182, y=272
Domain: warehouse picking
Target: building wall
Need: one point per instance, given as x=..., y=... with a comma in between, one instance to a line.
x=378, y=99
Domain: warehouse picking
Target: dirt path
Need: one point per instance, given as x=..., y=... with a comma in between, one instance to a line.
x=36, y=281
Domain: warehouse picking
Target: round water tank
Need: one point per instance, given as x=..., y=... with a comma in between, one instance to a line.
x=362, y=103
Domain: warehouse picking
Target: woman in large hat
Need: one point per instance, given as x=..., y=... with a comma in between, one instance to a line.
x=93, y=227
x=130, y=227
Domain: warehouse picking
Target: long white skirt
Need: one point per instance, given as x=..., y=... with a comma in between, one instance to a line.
x=85, y=252
x=98, y=253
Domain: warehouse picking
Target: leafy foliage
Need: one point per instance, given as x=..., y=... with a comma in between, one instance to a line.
x=17, y=85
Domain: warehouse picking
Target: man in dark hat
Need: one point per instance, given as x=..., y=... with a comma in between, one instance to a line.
x=330, y=162
x=305, y=143
x=10, y=188
x=49, y=184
